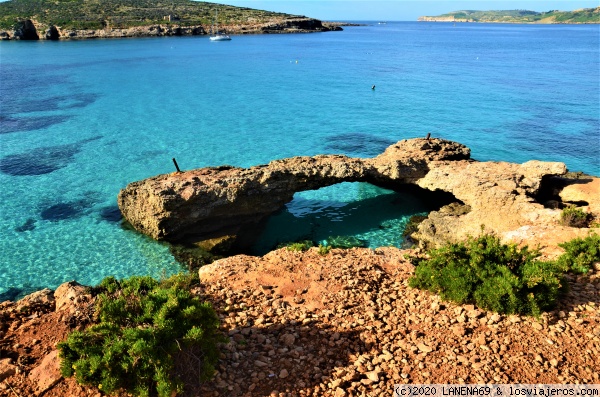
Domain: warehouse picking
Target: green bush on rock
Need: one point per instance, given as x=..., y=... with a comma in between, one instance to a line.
x=494, y=276
x=580, y=254
x=574, y=217
x=142, y=324
x=299, y=246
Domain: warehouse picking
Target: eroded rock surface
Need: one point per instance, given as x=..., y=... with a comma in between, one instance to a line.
x=207, y=202
x=28, y=29
x=495, y=197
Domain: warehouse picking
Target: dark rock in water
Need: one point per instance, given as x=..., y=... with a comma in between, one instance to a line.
x=11, y=124
x=16, y=293
x=413, y=224
x=60, y=102
x=61, y=211
x=67, y=210
x=344, y=242
x=411, y=228
x=27, y=226
x=191, y=256
x=358, y=143
x=11, y=294
x=111, y=214
x=41, y=160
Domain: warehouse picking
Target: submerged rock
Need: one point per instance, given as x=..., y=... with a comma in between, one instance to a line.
x=344, y=242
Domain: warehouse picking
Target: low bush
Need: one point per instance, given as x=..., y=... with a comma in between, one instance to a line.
x=324, y=249
x=142, y=323
x=494, y=276
x=574, y=217
x=301, y=246
x=580, y=254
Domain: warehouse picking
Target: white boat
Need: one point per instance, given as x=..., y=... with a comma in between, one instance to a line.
x=218, y=36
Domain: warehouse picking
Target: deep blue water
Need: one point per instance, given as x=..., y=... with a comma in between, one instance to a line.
x=79, y=120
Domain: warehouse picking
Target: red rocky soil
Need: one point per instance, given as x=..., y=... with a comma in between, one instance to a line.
x=342, y=324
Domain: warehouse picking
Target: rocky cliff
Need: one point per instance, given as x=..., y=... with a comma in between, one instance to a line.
x=33, y=30
x=497, y=197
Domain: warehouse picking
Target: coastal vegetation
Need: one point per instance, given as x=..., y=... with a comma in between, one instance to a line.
x=142, y=324
x=494, y=276
x=99, y=14
x=584, y=15
x=500, y=277
x=580, y=254
x=574, y=217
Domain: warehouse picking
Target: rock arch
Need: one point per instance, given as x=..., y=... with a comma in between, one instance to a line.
x=213, y=202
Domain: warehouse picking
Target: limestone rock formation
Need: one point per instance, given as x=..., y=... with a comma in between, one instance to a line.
x=217, y=201
x=25, y=30
x=210, y=203
x=28, y=30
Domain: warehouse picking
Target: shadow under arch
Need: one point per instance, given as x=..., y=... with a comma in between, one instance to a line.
x=369, y=214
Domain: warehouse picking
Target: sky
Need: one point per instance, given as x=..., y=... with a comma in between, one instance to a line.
x=400, y=10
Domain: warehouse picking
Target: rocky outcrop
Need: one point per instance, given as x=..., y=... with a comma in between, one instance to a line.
x=25, y=30
x=28, y=30
x=200, y=204
x=217, y=201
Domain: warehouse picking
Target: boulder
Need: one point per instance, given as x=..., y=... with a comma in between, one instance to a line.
x=47, y=374
x=43, y=297
x=70, y=295
x=7, y=368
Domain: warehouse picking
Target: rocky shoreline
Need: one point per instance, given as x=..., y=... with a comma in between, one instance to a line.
x=226, y=205
x=341, y=324
x=345, y=323
x=33, y=30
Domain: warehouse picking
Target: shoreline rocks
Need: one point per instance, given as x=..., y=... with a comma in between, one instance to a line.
x=493, y=197
x=341, y=324
x=34, y=30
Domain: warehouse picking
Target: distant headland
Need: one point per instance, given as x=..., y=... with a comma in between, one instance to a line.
x=82, y=19
x=581, y=16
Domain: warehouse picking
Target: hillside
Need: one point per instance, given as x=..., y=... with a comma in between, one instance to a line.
x=584, y=15
x=97, y=14
x=59, y=19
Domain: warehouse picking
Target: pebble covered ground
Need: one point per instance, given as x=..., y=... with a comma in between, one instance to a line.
x=341, y=324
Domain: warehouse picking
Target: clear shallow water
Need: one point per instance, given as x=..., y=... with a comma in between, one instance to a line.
x=80, y=120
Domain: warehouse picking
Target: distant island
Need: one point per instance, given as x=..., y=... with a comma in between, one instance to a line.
x=581, y=16
x=83, y=19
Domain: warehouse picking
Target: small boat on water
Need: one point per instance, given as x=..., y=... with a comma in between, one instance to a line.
x=218, y=36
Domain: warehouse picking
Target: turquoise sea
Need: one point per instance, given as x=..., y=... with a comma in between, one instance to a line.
x=79, y=120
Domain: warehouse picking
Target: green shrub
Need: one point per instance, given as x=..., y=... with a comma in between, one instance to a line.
x=324, y=249
x=301, y=246
x=494, y=276
x=574, y=217
x=580, y=254
x=142, y=324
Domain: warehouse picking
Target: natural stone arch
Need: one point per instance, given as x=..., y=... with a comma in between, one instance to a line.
x=213, y=202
